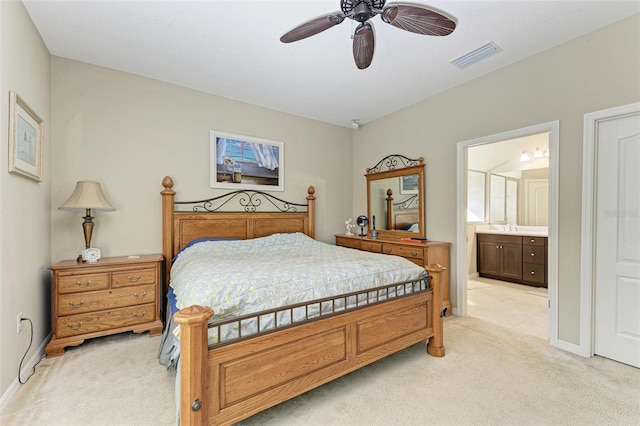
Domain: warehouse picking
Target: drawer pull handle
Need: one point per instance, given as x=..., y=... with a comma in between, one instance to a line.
x=74, y=305
x=533, y=240
x=533, y=272
x=414, y=253
x=83, y=285
x=75, y=327
x=388, y=250
x=533, y=254
x=134, y=279
x=135, y=314
x=137, y=296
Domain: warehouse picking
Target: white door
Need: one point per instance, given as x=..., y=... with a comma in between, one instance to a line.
x=617, y=239
x=536, y=199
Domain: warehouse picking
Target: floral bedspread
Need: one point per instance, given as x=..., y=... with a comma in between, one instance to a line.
x=245, y=276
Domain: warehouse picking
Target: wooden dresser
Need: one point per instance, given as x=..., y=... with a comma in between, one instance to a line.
x=423, y=254
x=113, y=295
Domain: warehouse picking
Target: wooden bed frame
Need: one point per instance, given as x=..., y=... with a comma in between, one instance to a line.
x=226, y=383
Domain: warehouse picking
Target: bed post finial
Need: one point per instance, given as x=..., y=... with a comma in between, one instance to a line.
x=167, y=182
x=311, y=209
x=168, y=196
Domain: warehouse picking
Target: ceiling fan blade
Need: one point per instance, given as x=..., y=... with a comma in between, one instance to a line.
x=363, y=44
x=417, y=19
x=313, y=27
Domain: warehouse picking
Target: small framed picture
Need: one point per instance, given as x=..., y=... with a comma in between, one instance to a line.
x=26, y=139
x=246, y=162
x=409, y=184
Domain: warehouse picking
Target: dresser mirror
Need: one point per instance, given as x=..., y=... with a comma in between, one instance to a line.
x=395, y=197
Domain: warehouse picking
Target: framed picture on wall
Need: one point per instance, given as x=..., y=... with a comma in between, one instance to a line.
x=246, y=162
x=25, y=139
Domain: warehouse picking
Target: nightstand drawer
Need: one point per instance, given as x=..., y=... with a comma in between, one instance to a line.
x=404, y=251
x=108, y=299
x=134, y=277
x=74, y=325
x=77, y=283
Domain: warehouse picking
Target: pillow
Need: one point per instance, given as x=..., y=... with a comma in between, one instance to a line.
x=408, y=226
x=199, y=240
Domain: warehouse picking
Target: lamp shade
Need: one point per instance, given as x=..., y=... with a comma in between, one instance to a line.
x=87, y=195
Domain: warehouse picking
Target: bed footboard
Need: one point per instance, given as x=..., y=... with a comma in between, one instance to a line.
x=228, y=383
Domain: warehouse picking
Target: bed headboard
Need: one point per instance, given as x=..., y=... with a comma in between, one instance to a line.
x=206, y=219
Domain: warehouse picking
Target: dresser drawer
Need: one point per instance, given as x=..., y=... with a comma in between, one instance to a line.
x=348, y=242
x=75, y=283
x=70, y=304
x=372, y=247
x=138, y=276
x=74, y=325
x=404, y=251
x=533, y=254
x=533, y=273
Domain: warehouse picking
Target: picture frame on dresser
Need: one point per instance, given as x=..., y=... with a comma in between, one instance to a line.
x=26, y=139
x=239, y=162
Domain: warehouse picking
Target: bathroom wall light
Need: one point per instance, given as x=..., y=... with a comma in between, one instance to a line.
x=354, y=123
x=538, y=153
x=525, y=156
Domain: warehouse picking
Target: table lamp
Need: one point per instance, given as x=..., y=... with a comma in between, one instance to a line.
x=87, y=195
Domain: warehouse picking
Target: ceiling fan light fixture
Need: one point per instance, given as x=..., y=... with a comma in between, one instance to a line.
x=477, y=55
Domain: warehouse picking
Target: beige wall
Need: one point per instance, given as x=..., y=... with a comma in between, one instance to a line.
x=594, y=72
x=24, y=204
x=128, y=132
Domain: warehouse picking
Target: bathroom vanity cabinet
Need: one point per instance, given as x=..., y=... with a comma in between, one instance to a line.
x=516, y=258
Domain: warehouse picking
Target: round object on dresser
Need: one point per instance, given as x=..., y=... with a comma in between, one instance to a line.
x=362, y=221
x=91, y=255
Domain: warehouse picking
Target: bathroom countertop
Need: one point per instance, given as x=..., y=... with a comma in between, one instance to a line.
x=525, y=231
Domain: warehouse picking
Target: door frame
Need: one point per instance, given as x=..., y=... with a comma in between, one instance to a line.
x=553, y=128
x=587, y=255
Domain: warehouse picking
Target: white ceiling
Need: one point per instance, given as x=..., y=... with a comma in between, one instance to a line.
x=232, y=48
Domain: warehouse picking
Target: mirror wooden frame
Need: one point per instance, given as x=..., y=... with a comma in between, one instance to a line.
x=397, y=166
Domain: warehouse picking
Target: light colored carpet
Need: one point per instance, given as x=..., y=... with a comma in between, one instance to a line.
x=491, y=375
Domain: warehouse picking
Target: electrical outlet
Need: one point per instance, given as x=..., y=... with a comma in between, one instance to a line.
x=19, y=323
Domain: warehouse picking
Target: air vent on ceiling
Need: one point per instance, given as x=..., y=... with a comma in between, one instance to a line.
x=477, y=55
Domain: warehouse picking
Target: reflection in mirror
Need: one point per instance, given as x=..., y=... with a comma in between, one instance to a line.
x=396, y=197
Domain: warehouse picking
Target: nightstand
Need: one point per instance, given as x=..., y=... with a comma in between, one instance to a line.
x=112, y=295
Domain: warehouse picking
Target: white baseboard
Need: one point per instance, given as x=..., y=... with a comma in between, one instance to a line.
x=474, y=275
x=27, y=369
x=569, y=347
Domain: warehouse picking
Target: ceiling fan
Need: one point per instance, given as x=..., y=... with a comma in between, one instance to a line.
x=413, y=18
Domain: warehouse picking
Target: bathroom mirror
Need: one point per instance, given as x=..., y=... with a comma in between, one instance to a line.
x=395, y=197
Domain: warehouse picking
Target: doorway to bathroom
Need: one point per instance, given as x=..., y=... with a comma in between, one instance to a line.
x=507, y=238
